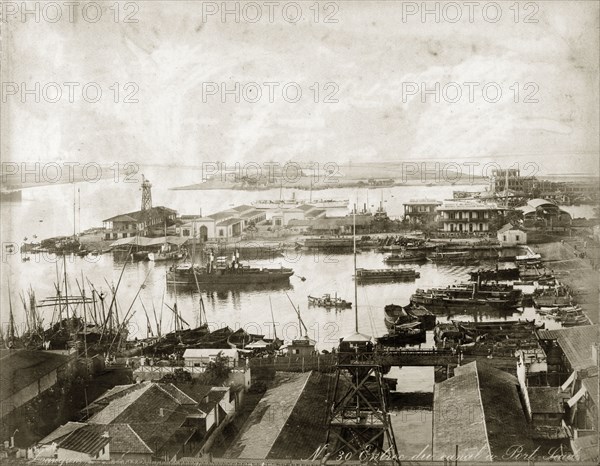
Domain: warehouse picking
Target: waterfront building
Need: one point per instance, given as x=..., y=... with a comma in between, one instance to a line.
x=225, y=224
x=466, y=217
x=509, y=235
x=139, y=223
x=421, y=211
x=342, y=225
x=544, y=214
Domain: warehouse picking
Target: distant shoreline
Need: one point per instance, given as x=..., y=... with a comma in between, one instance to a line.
x=211, y=186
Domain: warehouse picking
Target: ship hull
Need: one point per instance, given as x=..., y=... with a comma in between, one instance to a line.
x=228, y=279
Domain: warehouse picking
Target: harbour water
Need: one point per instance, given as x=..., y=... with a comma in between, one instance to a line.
x=49, y=211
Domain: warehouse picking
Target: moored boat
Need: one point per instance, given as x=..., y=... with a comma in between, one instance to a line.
x=225, y=273
x=374, y=275
x=328, y=302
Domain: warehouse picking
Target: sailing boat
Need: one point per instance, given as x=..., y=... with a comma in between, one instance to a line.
x=165, y=252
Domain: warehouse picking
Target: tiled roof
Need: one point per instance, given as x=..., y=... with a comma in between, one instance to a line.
x=243, y=208
x=228, y=222
x=253, y=213
x=576, y=343
x=123, y=439
x=84, y=440
x=222, y=215
x=181, y=397
x=138, y=215
x=118, y=405
x=61, y=432
x=21, y=368
x=195, y=391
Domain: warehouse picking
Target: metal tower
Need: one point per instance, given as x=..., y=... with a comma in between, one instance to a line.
x=359, y=422
x=146, y=194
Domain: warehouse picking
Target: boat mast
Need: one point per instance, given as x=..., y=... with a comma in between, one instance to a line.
x=74, y=209
x=355, y=278
x=273, y=320
x=11, y=328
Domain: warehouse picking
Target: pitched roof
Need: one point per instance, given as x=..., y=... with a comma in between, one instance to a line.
x=243, y=208
x=84, y=440
x=458, y=418
x=123, y=439
x=252, y=213
x=480, y=410
x=154, y=412
x=61, y=432
x=228, y=222
x=222, y=215
x=508, y=227
x=21, y=368
x=576, y=343
x=138, y=215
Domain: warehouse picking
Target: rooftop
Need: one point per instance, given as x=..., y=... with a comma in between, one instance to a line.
x=21, y=368
x=138, y=215
x=228, y=222
x=452, y=205
x=480, y=409
x=423, y=202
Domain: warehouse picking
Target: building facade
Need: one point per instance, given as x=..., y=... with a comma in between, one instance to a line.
x=420, y=211
x=461, y=218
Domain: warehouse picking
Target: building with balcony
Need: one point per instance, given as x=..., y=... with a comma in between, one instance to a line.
x=466, y=217
x=138, y=223
x=421, y=211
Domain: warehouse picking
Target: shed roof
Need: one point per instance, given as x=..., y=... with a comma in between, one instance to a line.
x=486, y=411
x=228, y=222
x=21, y=368
x=84, y=440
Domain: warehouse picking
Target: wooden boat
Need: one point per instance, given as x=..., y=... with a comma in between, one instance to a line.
x=424, y=315
x=405, y=257
x=375, y=275
x=396, y=315
x=465, y=296
x=328, y=302
x=410, y=333
x=453, y=257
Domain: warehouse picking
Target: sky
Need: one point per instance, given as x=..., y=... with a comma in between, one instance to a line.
x=371, y=68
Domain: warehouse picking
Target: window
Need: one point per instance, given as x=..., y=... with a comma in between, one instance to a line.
x=517, y=237
x=503, y=237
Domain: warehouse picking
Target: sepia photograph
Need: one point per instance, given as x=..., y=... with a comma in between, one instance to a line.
x=295, y=233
